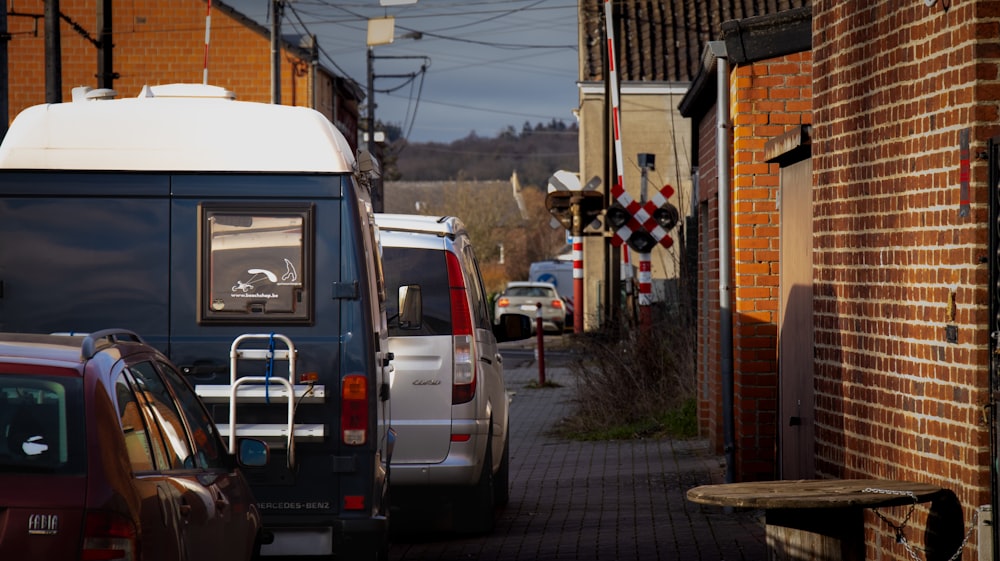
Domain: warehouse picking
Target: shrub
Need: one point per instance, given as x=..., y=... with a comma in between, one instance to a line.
x=634, y=383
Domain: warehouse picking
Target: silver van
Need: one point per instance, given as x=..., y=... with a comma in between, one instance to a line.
x=448, y=398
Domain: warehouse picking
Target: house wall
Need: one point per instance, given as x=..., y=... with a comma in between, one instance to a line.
x=157, y=42
x=897, y=260
x=767, y=99
x=709, y=372
x=650, y=123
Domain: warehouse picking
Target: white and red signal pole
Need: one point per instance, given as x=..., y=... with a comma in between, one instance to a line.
x=577, y=283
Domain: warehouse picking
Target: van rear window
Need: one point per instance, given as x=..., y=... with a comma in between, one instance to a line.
x=256, y=263
x=424, y=267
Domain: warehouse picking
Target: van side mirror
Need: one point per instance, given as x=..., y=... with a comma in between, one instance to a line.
x=252, y=452
x=411, y=307
x=512, y=327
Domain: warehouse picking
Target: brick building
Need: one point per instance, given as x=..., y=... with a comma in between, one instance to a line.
x=864, y=257
x=906, y=104
x=159, y=42
x=658, y=44
x=766, y=66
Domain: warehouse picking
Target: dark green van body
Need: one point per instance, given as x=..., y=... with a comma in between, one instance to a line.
x=84, y=250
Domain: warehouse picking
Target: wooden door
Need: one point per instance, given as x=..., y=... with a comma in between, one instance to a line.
x=795, y=324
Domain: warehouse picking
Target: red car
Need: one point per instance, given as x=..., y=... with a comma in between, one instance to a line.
x=107, y=453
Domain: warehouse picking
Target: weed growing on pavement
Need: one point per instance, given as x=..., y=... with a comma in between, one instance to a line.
x=635, y=383
x=535, y=385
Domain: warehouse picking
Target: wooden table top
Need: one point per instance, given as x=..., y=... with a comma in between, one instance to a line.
x=814, y=493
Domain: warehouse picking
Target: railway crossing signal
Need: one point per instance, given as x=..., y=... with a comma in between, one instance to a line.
x=642, y=226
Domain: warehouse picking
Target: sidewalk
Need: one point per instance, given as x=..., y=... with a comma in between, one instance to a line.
x=609, y=500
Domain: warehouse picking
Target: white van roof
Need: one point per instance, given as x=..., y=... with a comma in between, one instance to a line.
x=175, y=127
x=441, y=225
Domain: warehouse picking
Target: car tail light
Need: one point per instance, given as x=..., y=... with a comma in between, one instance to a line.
x=108, y=536
x=503, y=302
x=557, y=304
x=463, y=387
x=354, y=409
x=354, y=502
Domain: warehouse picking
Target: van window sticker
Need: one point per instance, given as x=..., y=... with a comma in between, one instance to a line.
x=256, y=262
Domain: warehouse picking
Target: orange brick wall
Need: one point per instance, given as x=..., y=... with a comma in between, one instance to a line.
x=156, y=42
x=767, y=99
x=895, y=262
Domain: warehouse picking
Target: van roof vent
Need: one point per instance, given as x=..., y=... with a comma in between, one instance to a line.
x=186, y=91
x=86, y=93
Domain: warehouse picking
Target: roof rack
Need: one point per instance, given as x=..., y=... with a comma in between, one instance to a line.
x=112, y=335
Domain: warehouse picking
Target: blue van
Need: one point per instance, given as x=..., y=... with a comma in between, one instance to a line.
x=237, y=238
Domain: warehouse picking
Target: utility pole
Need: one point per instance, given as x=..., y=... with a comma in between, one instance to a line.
x=4, y=74
x=53, y=53
x=105, y=46
x=277, y=10
x=378, y=189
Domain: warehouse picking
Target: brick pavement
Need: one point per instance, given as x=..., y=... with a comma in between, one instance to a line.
x=601, y=501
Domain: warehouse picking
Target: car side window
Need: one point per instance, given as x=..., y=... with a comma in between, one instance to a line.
x=150, y=386
x=474, y=281
x=209, y=450
x=140, y=443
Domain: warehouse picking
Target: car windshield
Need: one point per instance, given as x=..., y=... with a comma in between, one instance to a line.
x=41, y=424
x=530, y=291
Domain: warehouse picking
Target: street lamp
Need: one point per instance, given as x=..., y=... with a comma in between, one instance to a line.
x=381, y=31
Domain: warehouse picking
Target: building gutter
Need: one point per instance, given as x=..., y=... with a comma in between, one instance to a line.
x=718, y=52
x=694, y=105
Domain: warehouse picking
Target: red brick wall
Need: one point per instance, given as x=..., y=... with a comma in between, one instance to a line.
x=895, y=262
x=709, y=383
x=767, y=99
x=155, y=42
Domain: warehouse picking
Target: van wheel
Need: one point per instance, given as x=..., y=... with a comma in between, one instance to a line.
x=501, y=481
x=475, y=514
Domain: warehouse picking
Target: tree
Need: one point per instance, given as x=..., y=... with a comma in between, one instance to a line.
x=493, y=220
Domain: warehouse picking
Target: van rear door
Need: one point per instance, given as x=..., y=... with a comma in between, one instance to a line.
x=423, y=362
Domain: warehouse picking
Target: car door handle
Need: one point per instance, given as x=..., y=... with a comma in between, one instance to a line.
x=486, y=360
x=221, y=502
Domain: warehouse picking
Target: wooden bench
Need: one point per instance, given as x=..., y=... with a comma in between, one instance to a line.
x=815, y=519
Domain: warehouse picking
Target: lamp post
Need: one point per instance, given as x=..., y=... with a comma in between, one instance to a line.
x=380, y=32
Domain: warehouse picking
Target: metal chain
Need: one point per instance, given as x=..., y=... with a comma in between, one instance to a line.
x=900, y=538
x=899, y=529
x=965, y=540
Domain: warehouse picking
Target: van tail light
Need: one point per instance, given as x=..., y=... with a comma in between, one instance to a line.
x=354, y=409
x=503, y=302
x=463, y=385
x=108, y=536
x=557, y=304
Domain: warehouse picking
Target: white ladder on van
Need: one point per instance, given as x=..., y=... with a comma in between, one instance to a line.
x=265, y=389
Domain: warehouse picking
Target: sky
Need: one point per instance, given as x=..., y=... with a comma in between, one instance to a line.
x=491, y=64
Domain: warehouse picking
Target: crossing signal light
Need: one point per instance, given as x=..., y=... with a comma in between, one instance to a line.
x=558, y=205
x=666, y=216
x=641, y=241
x=617, y=216
x=591, y=205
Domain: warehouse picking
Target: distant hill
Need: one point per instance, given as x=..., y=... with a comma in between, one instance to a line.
x=535, y=153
